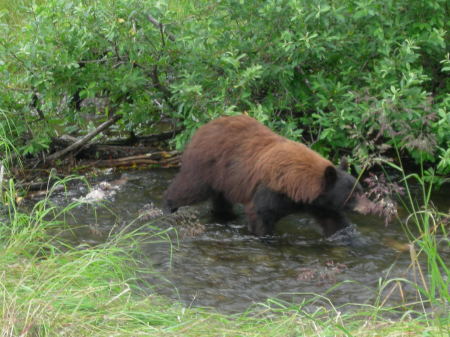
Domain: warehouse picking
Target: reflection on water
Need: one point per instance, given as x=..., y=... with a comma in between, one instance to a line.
x=222, y=266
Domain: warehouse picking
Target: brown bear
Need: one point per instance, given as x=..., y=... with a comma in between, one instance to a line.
x=236, y=159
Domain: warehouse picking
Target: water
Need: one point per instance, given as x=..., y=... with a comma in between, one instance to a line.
x=222, y=266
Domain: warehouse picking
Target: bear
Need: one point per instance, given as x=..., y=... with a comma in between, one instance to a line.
x=238, y=160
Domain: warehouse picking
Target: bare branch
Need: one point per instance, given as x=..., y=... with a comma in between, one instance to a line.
x=161, y=27
x=85, y=139
x=161, y=158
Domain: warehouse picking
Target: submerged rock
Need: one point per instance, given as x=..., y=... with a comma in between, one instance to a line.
x=348, y=236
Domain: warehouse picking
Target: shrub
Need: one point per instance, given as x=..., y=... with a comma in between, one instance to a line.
x=355, y=76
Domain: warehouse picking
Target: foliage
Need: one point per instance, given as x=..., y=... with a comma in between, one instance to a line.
x=349, y=75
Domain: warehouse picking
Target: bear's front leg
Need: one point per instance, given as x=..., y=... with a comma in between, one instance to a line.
x=330, y=220
x=265, y=209
x=256, y=224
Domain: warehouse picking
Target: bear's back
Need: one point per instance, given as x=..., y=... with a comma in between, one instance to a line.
x=236, y=153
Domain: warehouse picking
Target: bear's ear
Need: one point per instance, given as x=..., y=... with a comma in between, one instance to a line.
x=344, y=164
x=330, y=176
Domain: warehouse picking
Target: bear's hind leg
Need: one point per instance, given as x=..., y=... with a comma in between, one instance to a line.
x=221, y=208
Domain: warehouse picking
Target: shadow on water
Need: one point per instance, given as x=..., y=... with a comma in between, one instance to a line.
x=222, y=266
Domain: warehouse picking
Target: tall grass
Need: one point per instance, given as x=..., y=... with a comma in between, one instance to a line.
x=427, y=230
x=50, y=288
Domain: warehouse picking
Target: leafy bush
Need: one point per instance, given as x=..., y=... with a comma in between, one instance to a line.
x=350, y=75
x=76, y=56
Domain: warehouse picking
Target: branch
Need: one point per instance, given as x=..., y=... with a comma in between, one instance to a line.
x=158, y=155
x=161, y=159
x=300, y=70
x=85, y=139
x=160, y=26
x=154, y=75
x=35, y=106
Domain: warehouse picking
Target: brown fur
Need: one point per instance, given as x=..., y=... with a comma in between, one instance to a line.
x=233, y=155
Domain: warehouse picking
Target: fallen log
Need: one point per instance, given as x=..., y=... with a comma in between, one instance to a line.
x=160, y=158
x=80, y=143
x=115, y=148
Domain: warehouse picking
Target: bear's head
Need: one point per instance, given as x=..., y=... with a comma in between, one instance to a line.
x=343, y=192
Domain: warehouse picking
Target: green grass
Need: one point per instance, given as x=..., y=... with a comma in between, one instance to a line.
x=427, y=230
x=51, y=288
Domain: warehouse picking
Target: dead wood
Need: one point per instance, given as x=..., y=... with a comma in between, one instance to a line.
x=158, y=137
x=159, y=158
x=116, y=148
x=101, y=151
x=80, y=143
x=145, y=140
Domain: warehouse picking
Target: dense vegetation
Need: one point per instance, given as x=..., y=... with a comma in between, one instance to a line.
x=348, y=76
x=360, y=77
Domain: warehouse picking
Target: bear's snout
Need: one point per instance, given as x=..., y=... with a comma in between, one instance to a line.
x=363, y=205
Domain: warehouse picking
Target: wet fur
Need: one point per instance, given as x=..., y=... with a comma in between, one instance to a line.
x=238, y=160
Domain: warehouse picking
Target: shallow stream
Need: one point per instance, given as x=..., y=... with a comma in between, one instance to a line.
x=222, y=266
